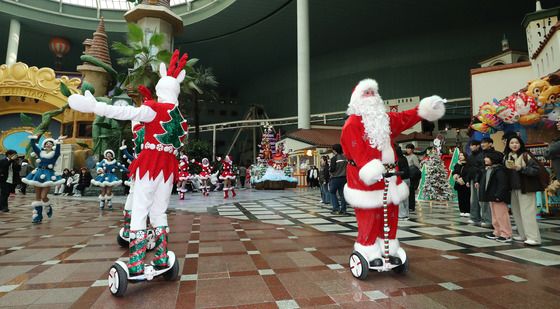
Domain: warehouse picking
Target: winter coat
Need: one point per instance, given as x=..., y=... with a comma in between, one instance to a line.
x=475, y=162
x=338, y=166
x=85, y=180
x=463, y=172
x=553, y=154
x=402, y=163
x=5, y=165
x=498, y=188
x=526, y=179
x=324, y=174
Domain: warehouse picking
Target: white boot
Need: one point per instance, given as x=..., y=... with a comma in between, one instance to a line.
x=101, y=201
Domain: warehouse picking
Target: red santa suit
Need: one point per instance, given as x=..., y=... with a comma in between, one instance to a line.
x=365, y=185
x=227, y=173
x=184, y=169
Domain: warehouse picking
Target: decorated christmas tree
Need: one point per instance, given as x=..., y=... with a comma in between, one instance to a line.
x=436, y=184
x=267, y=147
x=175, y=129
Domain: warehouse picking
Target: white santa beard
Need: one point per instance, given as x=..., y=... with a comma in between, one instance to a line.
x=375, y=120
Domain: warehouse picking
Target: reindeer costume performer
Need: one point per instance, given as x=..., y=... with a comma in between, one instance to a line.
x=367, y=141
x=156, y=167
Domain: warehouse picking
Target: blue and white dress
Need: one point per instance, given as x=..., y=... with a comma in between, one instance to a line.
x=44, y=175
x=106, y=176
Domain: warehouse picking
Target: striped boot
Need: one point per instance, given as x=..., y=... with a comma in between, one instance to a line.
x=126, y=226
x=137, y=252
x=161, y=260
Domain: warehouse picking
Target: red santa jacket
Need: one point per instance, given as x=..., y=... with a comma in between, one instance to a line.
x=365, y=185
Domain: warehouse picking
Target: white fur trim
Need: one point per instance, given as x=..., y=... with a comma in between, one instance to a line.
x=106, y=183
x=109, y=151
x=372, y=172
x=47, y=155
x=42, y=184
x=432, y=108
x=363, y=85
x=374, y=199
x=108, y=197
x=370, y=252
x=394, y=246
x=122, y=147
x=388, y=155
x=101, y=197
x=48, y=140
x=108, y=162
x=36, y=203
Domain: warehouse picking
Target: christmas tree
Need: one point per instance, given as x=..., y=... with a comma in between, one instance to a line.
x=267, y=147
x=175, y=129
x=436, y=185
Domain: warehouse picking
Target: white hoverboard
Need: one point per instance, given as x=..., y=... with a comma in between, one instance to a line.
x=119, y=276
x=359, y=265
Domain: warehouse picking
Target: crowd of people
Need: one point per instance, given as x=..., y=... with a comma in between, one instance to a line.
x=489, y=185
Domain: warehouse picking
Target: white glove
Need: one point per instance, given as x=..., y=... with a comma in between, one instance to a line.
x=432, y=108
x=83, y=103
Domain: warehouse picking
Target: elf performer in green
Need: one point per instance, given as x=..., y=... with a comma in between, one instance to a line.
x=156, y=168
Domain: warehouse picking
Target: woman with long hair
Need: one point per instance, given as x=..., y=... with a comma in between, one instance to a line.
x=523, y=173
x=462, y=186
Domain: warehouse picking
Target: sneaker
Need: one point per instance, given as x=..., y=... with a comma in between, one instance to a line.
x=514, y=227
x=334, y=212
x=472, y=222
x=531, y=242
x=518, y=238
x=504, y=239
x=491, y=236
x=467, y=214
x=484, y=224
x=403, y=218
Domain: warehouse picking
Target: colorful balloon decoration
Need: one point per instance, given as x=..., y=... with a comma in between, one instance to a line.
x=528, y=107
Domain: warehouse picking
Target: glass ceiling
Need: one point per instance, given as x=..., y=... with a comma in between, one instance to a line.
x=124, y=5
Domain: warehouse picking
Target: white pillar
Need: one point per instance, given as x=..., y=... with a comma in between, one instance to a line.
x=13, y=42
x=303, y=64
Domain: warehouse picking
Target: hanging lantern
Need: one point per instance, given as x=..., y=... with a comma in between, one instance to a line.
x=59, y=47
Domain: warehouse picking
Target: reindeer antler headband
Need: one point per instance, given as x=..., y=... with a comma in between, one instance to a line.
x=174, y=66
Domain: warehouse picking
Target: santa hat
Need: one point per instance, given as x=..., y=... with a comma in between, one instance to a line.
x=229, y=158
x=108, y=151
x=50, y=140
x=362, y=86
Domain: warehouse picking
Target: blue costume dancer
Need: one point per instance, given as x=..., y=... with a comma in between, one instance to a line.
x=43, y=177
x=106, y=178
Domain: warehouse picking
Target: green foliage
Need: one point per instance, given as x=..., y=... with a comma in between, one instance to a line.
x=64, y=89
x=141, y=56
x=98, y=63
x=197, y=149
x=26, y=120
x=87, y=86
x=135, y=33
x=83, y=145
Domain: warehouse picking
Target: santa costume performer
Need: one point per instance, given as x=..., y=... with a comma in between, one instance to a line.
x=204, y=176
x=227, y=176
x=106, y=178
x=156, y=167
x=184, y=176
x=367, y=139
x=43, y=176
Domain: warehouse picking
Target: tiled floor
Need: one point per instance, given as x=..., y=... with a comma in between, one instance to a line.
x=269, y=250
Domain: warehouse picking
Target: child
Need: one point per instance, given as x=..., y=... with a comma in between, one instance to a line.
x=495, y=189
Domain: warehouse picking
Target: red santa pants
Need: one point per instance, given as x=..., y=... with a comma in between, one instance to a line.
x=370, y=223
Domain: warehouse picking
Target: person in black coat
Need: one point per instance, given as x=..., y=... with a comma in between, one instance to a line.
x=404, y=171
x=84, y=181
x=494, y=188
x=9, y=178
x=461, y=176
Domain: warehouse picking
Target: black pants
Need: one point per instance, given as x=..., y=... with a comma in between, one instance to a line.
x=242, y=180
x=23, y=188
x=414, y=183
x=5, y=190
x=464, y=197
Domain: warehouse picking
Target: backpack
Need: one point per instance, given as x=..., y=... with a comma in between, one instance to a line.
x=544, y=177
